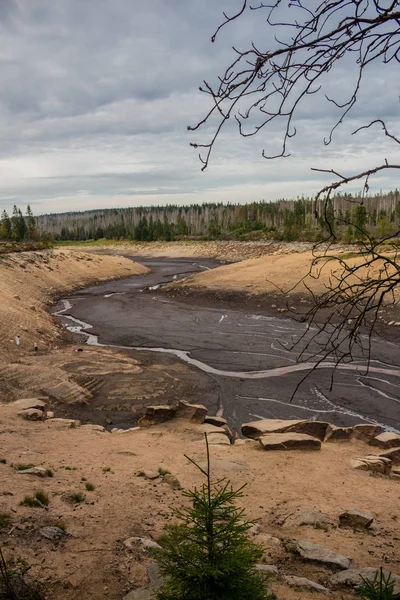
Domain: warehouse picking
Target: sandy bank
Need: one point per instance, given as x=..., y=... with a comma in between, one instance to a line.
x=29, y=281
x=92, y=562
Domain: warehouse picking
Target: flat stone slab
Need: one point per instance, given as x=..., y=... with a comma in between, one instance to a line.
x=63, y=423
x=338, y=434
x=307, y=584
x=217, y=421
x=317, y=553
x=374, y=463
x=386, y=440
x=355, y=519
x=32, y=414
x=354, y=577
x=393, y=455
x=144, y=593
x=256, y=429
x=26, y=403
x=289, y=441
x=196, y=413
x=366, y=432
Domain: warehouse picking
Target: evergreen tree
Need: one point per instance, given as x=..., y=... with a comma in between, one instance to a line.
x=6, y=225
x=209, y=556
x=18, y=225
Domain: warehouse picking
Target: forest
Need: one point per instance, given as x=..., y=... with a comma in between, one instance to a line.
x=288, y=220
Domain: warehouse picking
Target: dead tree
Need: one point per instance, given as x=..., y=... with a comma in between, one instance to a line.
x=263, y=86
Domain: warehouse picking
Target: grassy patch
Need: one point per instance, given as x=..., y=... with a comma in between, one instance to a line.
x=5, y=520
x=75, y=497
x=90, y=487
x=23, y=466
x=106, y=469
x=71, y=468
x=40, y=499
x=3, y=461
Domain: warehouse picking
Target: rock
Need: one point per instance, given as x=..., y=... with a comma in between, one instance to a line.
x=374, y=463
x=151, y=474
x=196, y=413
x=157, y=414
x=256, y=429
x=218, y=439
x=144, y=593
x=355, y=519
x=338, y=434
x=172, y=481
x=386, y=440
x=108, y=421
x=268, y=569
x=17, y=297
x=359, y=464
x=273, y=547
x=307, y=584
x=121, y=431
x=52, y=533
x=354, y=577
x=155, y=577
x=49, y=414
x=316, y=553
x=140, y=543
x=38, y=471
x=63, y=423
x=365, y=433
x=31, y=414
x=307, y=516
x=26, y=403
x=93, y=427
x=217, y=421
x=289, y=441
x=32, y=307
x=393, y=455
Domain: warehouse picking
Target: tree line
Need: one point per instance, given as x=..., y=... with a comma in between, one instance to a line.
x=301, y=219
x=18, y=227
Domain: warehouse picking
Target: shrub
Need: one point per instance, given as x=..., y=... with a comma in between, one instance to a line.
x=380, y=588
x=13, y=582
x=75, y=497
x=5, y=520
x=90, y=487
x=23, y=466
x=40, y=499
x=208, y=556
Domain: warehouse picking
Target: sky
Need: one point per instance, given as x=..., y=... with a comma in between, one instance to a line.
x=96, y=97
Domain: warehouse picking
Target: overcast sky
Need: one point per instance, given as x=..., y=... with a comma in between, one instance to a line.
x=96, y=95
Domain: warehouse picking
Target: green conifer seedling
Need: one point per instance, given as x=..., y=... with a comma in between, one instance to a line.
x=209, y=555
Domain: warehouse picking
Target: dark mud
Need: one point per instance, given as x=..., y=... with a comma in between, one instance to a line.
x=240, y=344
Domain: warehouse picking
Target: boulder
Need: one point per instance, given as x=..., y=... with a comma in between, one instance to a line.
x=354, y=577
x=365, y=433
x=393, y=455
x=307, y=516
x=32, y=414
x=355, y=519
x=217, y=421
x=52, y=533
x=154, y=415
x=267, y=569
x=386, y=440
x=289, y=441
x=38, y=471
x=196, y=413
x=305, y=584
x=63, y=423
x=338, y=434
x=256, y=429
x=144, y=593
x=49, y=414
x=315, y=553
x=25, y=403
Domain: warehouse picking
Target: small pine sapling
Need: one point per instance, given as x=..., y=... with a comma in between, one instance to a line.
x=208, y=555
